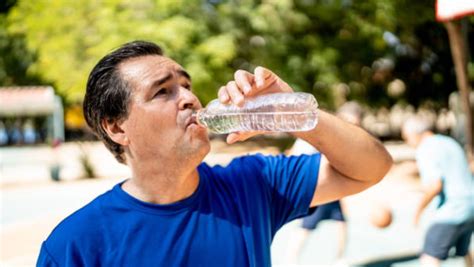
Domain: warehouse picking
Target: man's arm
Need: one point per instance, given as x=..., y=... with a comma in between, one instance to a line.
x=353, y=160
x=430, y=191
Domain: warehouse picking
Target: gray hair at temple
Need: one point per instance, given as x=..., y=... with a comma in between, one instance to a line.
x=417, y=125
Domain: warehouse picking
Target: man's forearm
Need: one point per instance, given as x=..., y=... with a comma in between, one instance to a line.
x=349, y=149
x=430, y=191
x=423, y=203
x=426, y=199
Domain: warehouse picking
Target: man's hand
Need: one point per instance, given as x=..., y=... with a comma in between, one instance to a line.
x=247, y=85
x=430, y=191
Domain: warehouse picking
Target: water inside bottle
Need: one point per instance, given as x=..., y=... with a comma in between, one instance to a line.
x=263, y=121
x=279, y=112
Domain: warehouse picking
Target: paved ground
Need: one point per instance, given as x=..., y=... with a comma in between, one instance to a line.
x=32, y=204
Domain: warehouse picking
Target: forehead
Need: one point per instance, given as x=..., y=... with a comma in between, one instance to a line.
x=146, y=69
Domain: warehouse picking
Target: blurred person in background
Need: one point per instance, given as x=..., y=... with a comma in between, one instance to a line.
x=55, y=164
x=330, y=211
x=3, y=134
x=455, y=104
x=445, y=174
x=176, y=210
x=29, y=132
x=15, y=136
x=333, y=211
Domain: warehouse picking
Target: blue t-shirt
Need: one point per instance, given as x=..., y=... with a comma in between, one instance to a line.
x=230, y=220
x=440, y=157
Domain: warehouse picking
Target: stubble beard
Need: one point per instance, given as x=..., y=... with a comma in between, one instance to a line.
x=193, y=152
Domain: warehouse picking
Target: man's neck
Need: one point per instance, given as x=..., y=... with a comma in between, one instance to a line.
x=161, y=184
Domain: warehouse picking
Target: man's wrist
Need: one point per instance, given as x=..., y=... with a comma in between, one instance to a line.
x=313, y=136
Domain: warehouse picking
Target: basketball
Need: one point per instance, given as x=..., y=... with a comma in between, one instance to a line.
x=381, y=216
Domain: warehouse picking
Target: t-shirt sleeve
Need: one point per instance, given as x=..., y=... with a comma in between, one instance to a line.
x=291, y=182
x=44, y=258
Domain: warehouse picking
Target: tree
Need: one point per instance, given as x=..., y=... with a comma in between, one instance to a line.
x=318, y=46
x=70, y=37
x=15, y=58
x=459, y=52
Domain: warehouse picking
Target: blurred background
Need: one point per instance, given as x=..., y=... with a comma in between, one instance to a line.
x=393, y=58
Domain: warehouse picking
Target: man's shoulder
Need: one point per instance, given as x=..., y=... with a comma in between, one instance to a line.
x=85, y=222
x=429, y=147
x=260, y=162
x=81, y=232
x=438, y=145
x=250, y=160
x=439, y=140
x=241, y=171
x=239, y=163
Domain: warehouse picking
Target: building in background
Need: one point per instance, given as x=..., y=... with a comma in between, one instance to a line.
x=30, y=114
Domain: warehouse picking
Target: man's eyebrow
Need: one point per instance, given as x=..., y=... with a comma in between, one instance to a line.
x=185, y=74
x=162, y=80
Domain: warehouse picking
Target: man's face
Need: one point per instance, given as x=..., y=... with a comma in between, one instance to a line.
x=159, y=124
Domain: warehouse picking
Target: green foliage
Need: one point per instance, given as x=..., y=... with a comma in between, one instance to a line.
x=15, y=59
x=70, y=37
x=315, y=45
x=5, y=5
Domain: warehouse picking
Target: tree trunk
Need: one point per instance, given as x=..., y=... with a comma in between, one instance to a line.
x=459, y=53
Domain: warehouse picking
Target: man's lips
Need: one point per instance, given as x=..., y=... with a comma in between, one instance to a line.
x=191, y=120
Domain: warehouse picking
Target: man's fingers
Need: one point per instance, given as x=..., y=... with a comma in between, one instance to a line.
x=232, y=138
x=223, y=95
x=246, y=84
x=284, y=86
x=239, y=136
x=235, y=94
x=242, y=136
x=244, y=80
x=264, y=77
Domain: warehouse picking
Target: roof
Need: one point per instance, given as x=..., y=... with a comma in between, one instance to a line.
x=26, y=100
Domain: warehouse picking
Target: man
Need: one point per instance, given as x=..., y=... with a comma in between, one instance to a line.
x=445, y=174
x=176, y=210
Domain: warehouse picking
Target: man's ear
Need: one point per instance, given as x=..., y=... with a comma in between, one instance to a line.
x=114, y=130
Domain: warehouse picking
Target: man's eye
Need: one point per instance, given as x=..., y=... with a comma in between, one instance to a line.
x=162, y=91
x=187, y=86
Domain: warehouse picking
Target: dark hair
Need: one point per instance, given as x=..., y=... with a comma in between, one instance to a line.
x=108, y=94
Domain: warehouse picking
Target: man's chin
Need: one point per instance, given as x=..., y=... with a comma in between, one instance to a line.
x=200, y=144
x=198, y=133
x=197, y=153
x=205, y=147
x=196, y=127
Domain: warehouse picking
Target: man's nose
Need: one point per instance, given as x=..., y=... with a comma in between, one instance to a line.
x=188, y=100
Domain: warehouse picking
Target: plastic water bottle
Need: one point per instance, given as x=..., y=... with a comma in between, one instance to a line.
x=279, y=112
